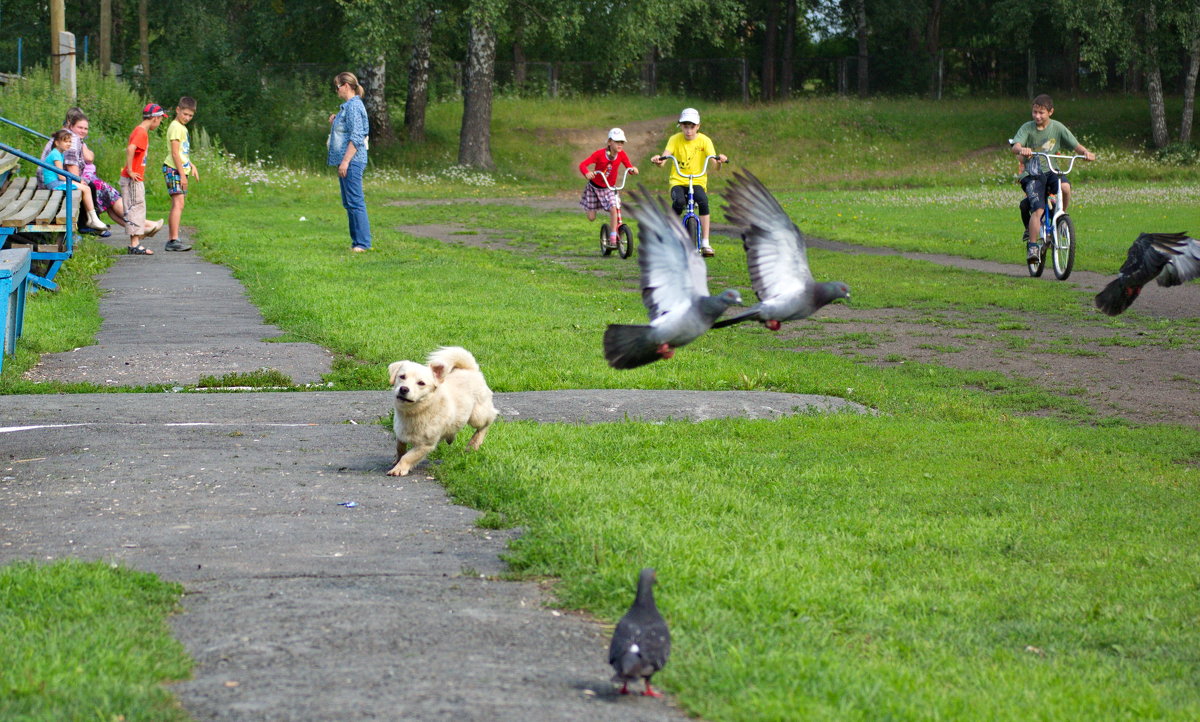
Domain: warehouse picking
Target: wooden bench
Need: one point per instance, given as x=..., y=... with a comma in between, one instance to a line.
x=37, y=219
x=14, y=280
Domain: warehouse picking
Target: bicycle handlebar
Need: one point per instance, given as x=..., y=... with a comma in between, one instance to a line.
x=1050, y=162
x=608, y=185
x=679, y=170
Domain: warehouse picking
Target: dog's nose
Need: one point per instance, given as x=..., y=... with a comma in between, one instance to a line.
x=402, y=390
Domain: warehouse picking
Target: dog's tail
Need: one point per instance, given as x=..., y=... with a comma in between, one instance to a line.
x=453, y=357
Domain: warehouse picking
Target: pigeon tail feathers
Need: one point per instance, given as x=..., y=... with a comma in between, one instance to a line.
x=1117, y=296
x=628, y=346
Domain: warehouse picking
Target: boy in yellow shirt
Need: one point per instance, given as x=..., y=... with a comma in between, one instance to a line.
x=690, y=147
x=177, y=166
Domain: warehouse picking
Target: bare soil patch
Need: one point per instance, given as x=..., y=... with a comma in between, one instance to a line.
x=1147, y=373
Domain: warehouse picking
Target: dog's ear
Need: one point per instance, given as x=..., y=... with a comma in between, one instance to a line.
x=393, y=369
x=439, y=369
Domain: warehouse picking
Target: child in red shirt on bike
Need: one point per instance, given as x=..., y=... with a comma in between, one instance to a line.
x=605, y=163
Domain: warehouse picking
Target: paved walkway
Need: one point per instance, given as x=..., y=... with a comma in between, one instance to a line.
x=297, y=607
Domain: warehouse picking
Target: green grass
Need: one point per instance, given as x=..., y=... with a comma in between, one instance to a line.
x=87, y=641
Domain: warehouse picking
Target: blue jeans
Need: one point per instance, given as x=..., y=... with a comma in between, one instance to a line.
x=355, y=204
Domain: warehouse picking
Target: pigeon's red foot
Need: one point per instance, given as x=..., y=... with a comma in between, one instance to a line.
x=666, y=351
x=774, y=325
x=651, y=692
x=624, y=689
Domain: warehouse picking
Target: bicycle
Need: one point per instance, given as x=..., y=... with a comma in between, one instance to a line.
x=1057, y=236
x=691, y=221
x=624, y=247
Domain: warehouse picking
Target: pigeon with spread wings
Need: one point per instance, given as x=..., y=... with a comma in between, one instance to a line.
x=777, y=258
x=1172, y=258
x=674, y=290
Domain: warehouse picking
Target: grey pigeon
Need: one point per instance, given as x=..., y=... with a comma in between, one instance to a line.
x=776, y=255
x=641, y=642
x=674, y=290
x=1172, y=258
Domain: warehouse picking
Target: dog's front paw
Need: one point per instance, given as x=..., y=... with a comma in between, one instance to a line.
x=398, y=470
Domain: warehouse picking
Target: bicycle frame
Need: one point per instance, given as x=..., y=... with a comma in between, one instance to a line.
x=1050, y=219
x=616, y=193
x=690, y=208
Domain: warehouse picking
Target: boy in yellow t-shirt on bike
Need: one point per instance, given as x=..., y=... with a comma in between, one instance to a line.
x=690, y=147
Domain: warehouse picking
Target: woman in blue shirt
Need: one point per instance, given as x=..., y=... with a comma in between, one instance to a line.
x=348, y=151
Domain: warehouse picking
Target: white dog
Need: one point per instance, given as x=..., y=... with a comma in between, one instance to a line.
x=435, y=402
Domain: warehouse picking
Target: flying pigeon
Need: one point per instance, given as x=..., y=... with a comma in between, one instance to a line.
x=641, y=642
x=674, y=290
x=1172, y=258
x=776, y=255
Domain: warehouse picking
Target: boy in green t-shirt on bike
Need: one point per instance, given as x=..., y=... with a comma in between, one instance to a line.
x=1042, y=135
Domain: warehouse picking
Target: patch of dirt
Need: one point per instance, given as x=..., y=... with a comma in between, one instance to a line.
x=1143, y=372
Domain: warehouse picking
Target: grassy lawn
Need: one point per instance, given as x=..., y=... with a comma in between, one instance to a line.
x=981, y=548
x=87, y=641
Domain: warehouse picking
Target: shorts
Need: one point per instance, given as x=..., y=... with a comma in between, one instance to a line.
x=174, y=184
x=59, y=186
x=1036, y=188
x=595, y=198
x=134, y=194
x=679, y=199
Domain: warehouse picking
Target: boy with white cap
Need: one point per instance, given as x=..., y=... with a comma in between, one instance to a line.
x=690, y=147
x=605, y=162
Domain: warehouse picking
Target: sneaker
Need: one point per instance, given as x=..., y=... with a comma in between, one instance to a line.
x=175, y=245
x=707, y=251
x=153, y=227
x=1025, y=237
x=1033, y=253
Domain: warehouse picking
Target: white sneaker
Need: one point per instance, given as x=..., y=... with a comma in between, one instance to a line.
x=153, y=227
x=707, y=251
x=93, y=221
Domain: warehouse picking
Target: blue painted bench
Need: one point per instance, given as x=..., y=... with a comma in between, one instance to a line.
x=14, y=280
x=43, y=221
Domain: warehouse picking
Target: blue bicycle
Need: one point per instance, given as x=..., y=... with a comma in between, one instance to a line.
x=691, y=221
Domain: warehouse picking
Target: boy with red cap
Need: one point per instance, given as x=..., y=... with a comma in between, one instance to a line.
x=133, y=187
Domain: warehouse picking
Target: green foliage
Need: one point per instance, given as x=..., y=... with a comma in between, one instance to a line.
x=262, y=378
x=87, y=641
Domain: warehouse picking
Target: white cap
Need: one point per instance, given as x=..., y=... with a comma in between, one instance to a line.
x=616, y=134
x=690, y=115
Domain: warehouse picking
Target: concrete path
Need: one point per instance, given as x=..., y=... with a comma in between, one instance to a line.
x=299, y=607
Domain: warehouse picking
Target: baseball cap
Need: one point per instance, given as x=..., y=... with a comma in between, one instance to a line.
x=616, y=134
x=690, y=115
x=153, y=110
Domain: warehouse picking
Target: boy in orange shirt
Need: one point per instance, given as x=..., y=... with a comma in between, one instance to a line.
x=133, y=188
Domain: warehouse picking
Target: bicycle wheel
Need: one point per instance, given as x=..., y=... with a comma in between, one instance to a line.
x=605, y=249
x=624, y=241
x=691, y=224
x=1064, y=247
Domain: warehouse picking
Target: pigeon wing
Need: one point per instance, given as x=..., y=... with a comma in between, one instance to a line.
x=775, y=249
x=671, y=279
x=1146, y=259
x=1182, y=267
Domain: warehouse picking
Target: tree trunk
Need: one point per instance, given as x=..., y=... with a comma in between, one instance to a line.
x=418, y=76
x=861, y=32
x=786, y=73
x=474, y=140
x=1154, y=91
x=650, y=72
x=933, y=46
x=105, y=37
x=1030, y=73
x=769, y=41
x=1189, y=92
x=520, y=71
x=144, y=40
x=373, y=78
x=1073, y=62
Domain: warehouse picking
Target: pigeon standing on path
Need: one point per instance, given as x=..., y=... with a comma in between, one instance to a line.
x=1172, y=258
x=641, y=642
x=674, y=290
x=776, y=255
